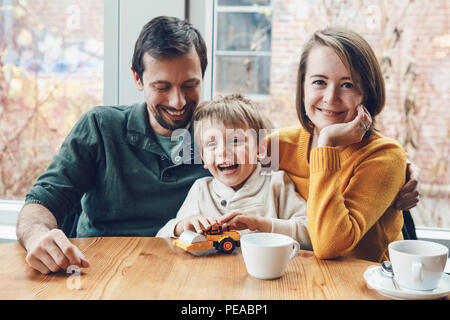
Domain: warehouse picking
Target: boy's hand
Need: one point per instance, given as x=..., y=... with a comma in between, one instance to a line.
x=195, y=223
x=241, y=221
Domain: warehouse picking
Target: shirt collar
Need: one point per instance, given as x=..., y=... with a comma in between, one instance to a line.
x=138, y=120
x=252, y=185
x=140, y=134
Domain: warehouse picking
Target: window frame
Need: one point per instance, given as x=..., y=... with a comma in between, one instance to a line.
x=119, y=27
x=231, y=53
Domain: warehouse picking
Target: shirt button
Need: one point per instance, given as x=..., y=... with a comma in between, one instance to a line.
x=223, y=203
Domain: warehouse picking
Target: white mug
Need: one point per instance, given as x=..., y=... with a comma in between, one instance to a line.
x=266, y=255
x=418, y=264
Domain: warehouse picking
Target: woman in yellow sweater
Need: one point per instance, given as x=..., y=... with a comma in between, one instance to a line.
x=348, y=173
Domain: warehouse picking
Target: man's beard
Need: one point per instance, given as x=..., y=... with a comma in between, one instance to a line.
x=173, y=124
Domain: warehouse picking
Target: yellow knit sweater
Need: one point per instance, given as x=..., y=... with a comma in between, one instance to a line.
x=349, y=193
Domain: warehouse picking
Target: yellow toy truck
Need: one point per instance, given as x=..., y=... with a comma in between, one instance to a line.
x=215, y=237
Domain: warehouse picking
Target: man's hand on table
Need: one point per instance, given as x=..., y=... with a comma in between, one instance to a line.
x=48, y=248
x=52, y=251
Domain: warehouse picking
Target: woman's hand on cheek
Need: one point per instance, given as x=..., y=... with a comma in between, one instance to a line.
x=344, y=134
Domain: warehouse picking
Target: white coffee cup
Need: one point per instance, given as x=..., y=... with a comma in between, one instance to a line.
x=266, y=255
x=418, y=264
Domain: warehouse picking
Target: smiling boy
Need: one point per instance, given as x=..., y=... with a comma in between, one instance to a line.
x=230, y=133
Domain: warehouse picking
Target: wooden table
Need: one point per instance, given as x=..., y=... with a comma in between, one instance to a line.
x=152, y=268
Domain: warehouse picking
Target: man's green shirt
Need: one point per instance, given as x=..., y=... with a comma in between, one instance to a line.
x=112, y=163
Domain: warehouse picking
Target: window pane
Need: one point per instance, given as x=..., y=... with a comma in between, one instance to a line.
x=246, y=75
x=244, y=2
x=51, y=71
x=243, y=31
x=417, y=77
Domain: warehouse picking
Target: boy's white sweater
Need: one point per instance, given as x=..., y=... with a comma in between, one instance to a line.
x=270, y=195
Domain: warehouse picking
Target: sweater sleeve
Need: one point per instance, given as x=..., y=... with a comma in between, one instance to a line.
x=189, y=207
x=340, y=214
x=72, y=171
x=292, y=219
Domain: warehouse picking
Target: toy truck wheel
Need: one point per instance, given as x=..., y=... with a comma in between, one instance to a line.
x=227, y=245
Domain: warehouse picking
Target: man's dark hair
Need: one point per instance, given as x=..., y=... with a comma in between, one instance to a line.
x=168, y=37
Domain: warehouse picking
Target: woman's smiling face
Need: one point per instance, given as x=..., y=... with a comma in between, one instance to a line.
x=330, y=94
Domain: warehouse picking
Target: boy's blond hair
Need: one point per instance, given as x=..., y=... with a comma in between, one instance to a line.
x=232, y=110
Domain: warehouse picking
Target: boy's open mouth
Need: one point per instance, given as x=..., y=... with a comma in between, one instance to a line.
x=227, y=167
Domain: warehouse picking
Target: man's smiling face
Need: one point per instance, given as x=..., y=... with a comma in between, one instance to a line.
x=172, y=89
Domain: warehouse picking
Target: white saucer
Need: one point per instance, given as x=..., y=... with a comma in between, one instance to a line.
x=384, y=286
